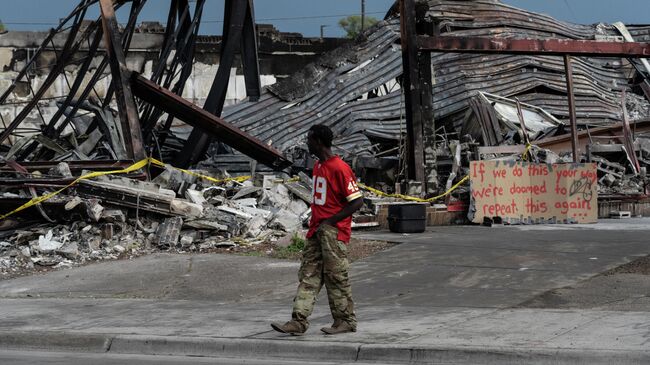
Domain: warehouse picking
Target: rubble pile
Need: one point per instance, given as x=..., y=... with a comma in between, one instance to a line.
x=112, y=217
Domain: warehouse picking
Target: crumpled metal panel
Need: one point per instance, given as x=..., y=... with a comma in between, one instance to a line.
x=330, y=91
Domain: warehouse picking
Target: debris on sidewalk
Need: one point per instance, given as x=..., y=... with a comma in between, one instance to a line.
x=244, y=180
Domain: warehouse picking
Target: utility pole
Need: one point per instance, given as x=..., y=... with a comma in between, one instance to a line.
x=363, y=15
x=321, y=31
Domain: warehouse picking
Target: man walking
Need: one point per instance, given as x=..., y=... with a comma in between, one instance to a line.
x=336, y=197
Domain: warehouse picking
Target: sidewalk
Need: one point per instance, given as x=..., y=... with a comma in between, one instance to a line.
x=386, y=334
x=445, y=296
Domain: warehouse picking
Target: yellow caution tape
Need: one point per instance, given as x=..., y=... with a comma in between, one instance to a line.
x=136, y=166
x=152, y=161
x=413, y=198
x=524, y=156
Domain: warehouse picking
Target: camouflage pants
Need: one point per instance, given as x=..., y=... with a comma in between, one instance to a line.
x=324, y=261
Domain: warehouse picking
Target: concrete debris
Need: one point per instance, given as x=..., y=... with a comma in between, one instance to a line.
x=186, y=241
x=286, y=220
x=46, y=244
x=168, y=232
x=152, y=209
x=113, y=217
x=195, y=197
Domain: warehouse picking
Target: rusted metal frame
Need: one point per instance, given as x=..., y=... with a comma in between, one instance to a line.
x=426, y=104
x=100, y=69
x=414, y=125
x=61, y=58
x=75, y=166
x=522, y=122
x=84, y=95
x=200, y=118
x=38, y=108
x=560, y=47
x=31, y=189
x=645, y=85
x=68, y=53
x=572, y=107
x=51, y=131
x=76, y=25
x=127, y=36
x=628, y=137
x=128, y=112
x=249, y=57
x=37, y=53
x=148, y=117
x=557, y=47
x=188, y=53
x=615, y=132
x=198, y=142
x=185, y=47
x=170, y=40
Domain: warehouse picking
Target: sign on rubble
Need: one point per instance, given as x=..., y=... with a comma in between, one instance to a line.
x=521, y=192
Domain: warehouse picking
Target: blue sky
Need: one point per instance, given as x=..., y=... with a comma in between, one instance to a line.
x=306, y=16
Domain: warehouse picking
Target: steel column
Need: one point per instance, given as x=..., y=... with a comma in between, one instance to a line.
x=572, y=107
x=411, y=89
x=198, y=142
x=208, y=122
x=131, y=132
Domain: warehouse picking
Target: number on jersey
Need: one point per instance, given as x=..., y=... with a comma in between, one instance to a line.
x=352, y=186
x=320, y=190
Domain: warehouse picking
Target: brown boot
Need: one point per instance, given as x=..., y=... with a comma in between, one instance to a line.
x=339, y=327
x=292, y=327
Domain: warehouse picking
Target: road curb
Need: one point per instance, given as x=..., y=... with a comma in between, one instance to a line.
x=234, y=347
x=300, y=348
x=422, y=354
x=56, y=341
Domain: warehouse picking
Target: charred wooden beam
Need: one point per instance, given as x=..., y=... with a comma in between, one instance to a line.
x=198, y=142
x=572, y=107
x=411, y=87
x=250, y=60
x=557, y=47
x=131, y=132
x=208, y=122
x=77, y=166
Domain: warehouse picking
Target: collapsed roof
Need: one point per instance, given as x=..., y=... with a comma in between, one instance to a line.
x=356, y=89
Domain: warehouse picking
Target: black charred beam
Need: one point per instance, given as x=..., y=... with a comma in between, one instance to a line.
x=81, y=8
x=69, y=49
x=555, y=47
x=198, y=142
x=568, y=68
x=131, y=132
x=250, y=60
x=127, y=37
x=412, y=92
x=75, y=166
x=187, y=57
x=208, y=122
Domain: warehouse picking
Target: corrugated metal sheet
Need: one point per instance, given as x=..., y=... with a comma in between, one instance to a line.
x=334, y=91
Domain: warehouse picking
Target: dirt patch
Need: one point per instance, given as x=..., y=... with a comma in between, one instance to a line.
x=357, y=250
x=639, y=266
x=625, y=288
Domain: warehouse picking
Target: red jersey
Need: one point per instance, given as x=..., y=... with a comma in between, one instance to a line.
x=334, y=186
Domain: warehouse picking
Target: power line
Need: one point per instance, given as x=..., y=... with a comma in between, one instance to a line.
x=575, y=18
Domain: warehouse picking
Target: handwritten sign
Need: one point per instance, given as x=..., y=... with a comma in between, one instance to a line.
x=520, y=192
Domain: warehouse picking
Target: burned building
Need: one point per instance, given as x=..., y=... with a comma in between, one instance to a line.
x=479, y=105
